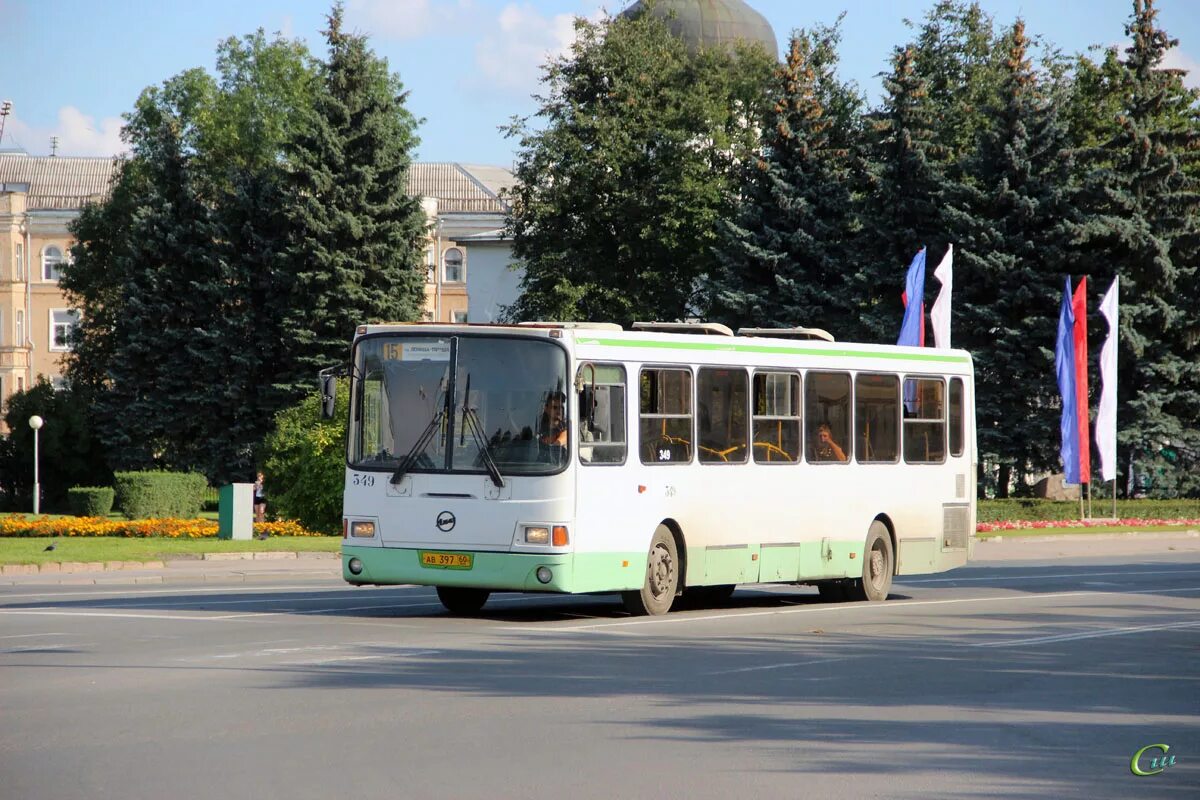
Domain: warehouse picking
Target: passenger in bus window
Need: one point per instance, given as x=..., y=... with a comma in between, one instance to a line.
x=825, y=448
x=553, y=428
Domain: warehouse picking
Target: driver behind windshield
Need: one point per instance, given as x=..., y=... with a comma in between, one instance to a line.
x=552, y=430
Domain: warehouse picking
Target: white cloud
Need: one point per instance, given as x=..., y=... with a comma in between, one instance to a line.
x=78, y=135
x=410, y=19
x=1177, y=59
x=511, y=53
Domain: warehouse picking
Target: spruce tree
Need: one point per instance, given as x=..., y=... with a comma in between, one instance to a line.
x=781, y=262
x=1012, y=222
x=900, y=198
x=355, y=238
x=1142, y=196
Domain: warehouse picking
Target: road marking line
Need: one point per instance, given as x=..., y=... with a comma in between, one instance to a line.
x=1045, y=577
x=31, y=635
x=34, y=648
x=231, y=588
x=782, y=666
x=50, y=612
x=1071, y=637
x=814, y=608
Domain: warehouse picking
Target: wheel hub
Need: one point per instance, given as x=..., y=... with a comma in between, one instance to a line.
x=661, y=569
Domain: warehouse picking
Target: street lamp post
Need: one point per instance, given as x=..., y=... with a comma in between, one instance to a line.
x=36, y=423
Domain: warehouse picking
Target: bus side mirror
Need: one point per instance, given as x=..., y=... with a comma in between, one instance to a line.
x=328, y=395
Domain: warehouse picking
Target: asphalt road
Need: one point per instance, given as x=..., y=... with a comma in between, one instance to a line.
x=1005, y=679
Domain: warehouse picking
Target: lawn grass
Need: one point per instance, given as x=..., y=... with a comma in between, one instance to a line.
x=1016, y=534
x=32, y=550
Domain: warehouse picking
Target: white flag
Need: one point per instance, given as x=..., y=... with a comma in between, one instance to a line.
x=1106, y=416
x=939, y=315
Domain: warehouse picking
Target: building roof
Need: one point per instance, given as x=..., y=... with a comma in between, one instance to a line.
x=58, y=182
x=460, y=187
x=712, y=23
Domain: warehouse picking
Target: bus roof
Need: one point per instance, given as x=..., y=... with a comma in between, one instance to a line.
x=756, y=340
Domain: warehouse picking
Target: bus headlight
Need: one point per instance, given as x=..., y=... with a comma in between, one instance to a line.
x=544, y=574
x=355, y=566
x=537, y=534
x=362, y=530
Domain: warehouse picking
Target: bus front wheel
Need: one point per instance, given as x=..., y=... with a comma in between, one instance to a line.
x=878, y=564
x=662, y=577
x=460, y=600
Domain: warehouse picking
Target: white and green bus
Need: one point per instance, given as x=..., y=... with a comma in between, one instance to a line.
x=654, y=462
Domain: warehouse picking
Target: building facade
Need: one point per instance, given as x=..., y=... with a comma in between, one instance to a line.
x=468, y=260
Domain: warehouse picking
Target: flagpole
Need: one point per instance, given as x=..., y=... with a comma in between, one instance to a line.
x=1114, y=499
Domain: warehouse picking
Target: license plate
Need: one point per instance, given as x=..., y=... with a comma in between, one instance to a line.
x=438, y=560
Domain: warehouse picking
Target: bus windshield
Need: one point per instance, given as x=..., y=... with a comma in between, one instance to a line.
x=451, y=404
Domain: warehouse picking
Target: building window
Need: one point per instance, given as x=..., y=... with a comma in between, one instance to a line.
x=453, y=265
x=19, y=330
x=430, y=265
x=58, y=383
x=52, y=259
x=61, y=322
x=460, y=317
x=19, y=264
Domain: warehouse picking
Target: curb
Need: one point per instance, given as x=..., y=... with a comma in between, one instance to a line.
x=991, y=537
x=77, y=567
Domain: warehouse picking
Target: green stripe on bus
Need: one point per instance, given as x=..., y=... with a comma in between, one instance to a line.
x=720, y=347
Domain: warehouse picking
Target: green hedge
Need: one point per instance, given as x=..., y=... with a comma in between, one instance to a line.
x=1034, y=509
x=143, y=495
x=90, y=501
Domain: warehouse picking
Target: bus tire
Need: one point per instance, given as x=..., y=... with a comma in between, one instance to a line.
x=662, y=578
x=462, y=600
x=878, y=563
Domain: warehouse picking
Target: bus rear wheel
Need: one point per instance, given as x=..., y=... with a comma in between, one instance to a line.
x=878, y=564
x=662, y=578
x=461, y=600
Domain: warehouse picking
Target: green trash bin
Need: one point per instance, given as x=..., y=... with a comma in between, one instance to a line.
x=235, y=513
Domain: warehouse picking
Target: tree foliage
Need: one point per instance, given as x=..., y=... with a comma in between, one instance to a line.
x=354, y=238
x=780, y=262
x=620, y=189
x=1141, y=195
x=69, y=452
x=260, y=216
x=304, y=467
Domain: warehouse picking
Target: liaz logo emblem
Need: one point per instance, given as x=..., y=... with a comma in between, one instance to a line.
x=445, y=522
x=1154, y=763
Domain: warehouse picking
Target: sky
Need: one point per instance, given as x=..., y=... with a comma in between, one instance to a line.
x=72, y=67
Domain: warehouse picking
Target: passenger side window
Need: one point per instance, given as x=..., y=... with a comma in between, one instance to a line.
x=957, y=428
x=665, y=422
x=721, y=399
x=600, y=389
x=924, y=421
x=776, y=417
x=877, y=418
x=827, y=417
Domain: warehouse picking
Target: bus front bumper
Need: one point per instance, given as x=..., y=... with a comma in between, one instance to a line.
x=518, y=572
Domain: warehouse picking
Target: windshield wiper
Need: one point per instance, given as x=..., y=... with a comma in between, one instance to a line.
x=471, y=421
x=418, y=449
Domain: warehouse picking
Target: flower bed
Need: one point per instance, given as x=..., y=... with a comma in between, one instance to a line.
x=1030, y=524
x=139, y=528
